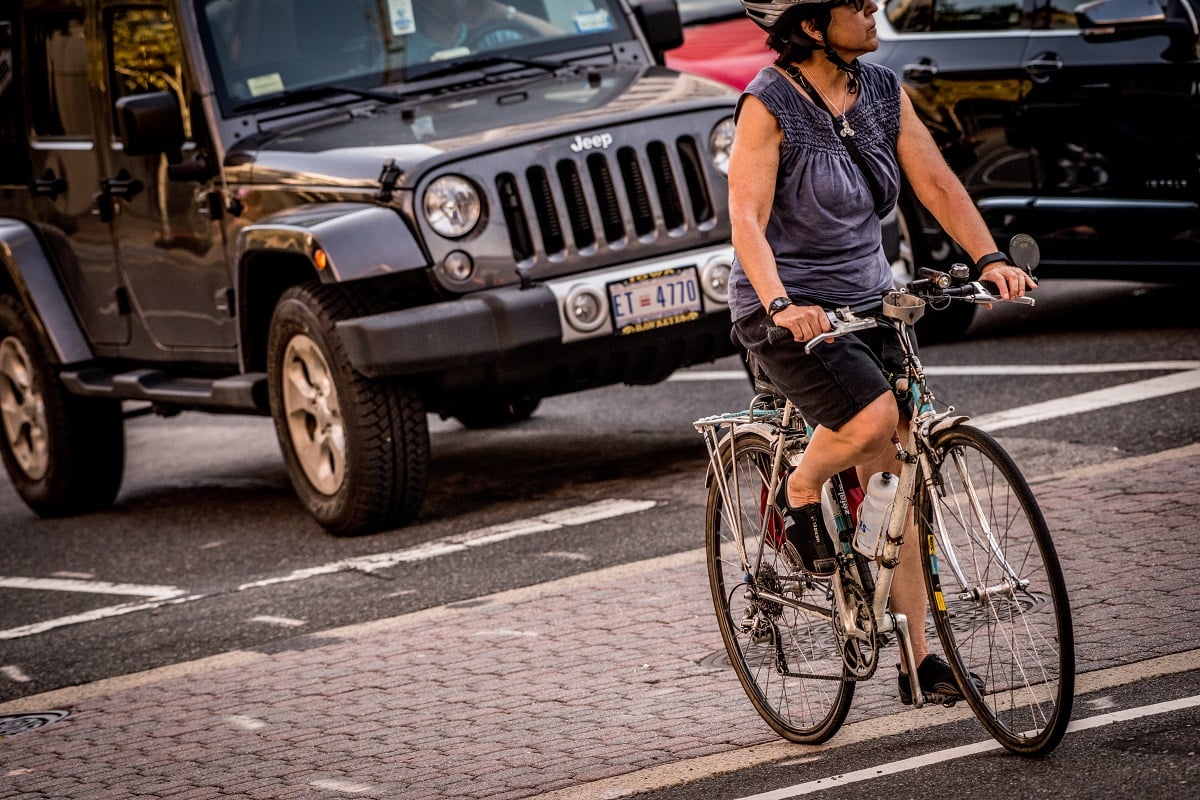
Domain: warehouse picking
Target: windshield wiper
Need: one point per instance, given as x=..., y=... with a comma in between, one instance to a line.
x=315, y=93
x=478, y=62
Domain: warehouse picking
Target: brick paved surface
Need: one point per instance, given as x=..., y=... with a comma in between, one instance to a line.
x=549, y=689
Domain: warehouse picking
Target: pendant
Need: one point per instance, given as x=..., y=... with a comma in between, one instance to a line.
x=846, y=129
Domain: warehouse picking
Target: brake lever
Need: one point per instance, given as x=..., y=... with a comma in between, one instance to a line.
x=843, y=321
x=980, y=293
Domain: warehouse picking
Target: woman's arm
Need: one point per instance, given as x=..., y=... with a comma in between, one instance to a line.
x=940, y=191
x=753, y=165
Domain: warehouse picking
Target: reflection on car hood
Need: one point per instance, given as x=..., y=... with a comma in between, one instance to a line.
x=467, y=121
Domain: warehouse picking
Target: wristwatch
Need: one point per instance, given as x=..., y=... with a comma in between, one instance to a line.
x=990, y=258
x=777, y=305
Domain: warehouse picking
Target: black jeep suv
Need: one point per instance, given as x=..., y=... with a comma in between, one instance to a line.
x=346, y=214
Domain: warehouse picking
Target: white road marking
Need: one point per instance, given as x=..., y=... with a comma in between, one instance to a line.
x=907, y=764
x=14, y=674
x=283, y=622
x=339, y=785
x=93, y=615
x=90, y=587
x=983, y=369
x=1090, y=401
x=246, y=723
x=604, y=509
x=1186, y=378
x=168, y=595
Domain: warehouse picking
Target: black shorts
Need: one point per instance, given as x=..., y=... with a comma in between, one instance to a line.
x=837, y=379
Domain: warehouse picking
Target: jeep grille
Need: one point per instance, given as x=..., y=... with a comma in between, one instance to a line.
x=608, y=198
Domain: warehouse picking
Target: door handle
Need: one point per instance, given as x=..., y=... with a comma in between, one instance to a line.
x=123, y=186
x=49, y=185
x=1043, y=66
x=921, y=73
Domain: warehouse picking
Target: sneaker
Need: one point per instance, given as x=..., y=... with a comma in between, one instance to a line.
x=804, y=528
x=937, y=682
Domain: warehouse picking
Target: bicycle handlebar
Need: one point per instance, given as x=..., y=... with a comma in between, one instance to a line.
x=937, y=286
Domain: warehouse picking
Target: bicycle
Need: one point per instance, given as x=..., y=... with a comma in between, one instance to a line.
x=799, y=643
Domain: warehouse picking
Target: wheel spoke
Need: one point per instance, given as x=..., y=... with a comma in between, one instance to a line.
x=1003, y=613
x=784, y=653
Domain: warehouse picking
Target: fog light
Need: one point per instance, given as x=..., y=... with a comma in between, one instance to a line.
x=714, y=280
x=458, y=265
x=584, y=309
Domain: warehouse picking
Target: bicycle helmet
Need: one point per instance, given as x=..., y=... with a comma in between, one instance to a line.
x=771, y=16
x=767, y=15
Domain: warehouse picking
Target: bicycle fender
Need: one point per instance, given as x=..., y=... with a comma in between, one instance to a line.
x=767, y=432
x=946, y=423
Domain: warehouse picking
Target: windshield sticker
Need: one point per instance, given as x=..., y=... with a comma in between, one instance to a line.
x=400, y=12
x=265, y=84
x=593, y=22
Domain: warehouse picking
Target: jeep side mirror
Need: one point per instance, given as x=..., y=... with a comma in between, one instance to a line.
x=661, y=24
x=1121, y=20
x=150, y=124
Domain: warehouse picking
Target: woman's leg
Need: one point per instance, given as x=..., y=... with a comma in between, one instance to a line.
x=908, y=583
x=864, y=439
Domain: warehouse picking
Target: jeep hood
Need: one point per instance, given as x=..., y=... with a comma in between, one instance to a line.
x=350, y=146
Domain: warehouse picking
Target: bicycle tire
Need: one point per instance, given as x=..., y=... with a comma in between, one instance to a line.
x=775, y=650
x=1020, y=642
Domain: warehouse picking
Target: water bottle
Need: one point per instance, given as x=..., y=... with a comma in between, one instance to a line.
x=876, y=505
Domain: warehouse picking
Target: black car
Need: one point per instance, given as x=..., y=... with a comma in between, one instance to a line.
x=1078, y=124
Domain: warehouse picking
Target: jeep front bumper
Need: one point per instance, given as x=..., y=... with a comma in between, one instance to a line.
x=497, y=328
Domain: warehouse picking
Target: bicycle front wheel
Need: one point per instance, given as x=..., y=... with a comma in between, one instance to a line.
x=996, y=592
x=775, y=621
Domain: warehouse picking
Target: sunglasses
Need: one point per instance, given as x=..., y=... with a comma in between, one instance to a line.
x=859, y=5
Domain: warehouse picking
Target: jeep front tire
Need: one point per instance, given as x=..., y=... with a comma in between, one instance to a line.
x=356, y=449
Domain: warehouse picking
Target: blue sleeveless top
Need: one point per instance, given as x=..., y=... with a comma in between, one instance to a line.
x=823, y=227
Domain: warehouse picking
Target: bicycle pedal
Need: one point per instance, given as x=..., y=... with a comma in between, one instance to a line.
x=945, y=701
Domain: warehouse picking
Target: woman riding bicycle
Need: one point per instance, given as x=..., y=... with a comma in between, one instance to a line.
x=806, y=215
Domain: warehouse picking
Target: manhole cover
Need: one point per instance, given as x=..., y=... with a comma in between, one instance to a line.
x=12, y=724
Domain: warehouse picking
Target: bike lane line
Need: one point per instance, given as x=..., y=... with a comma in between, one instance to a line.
x=159, y=596
x=928, y=759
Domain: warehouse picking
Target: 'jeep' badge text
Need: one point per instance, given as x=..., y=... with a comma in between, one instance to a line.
x=600, y=141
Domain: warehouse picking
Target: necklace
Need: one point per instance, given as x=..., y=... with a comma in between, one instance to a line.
x=808, y=82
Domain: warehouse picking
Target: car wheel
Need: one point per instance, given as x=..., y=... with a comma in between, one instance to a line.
x=906, y=254
x=65, y=454
x=356, y=449
x=496, y=413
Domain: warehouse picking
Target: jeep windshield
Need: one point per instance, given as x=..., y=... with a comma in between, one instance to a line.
x=262, y=51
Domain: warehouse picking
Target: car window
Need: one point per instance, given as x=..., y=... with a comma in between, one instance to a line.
x=261, y=48
x=917, y=16
x=60, y=103
x=1060, y=14
x=146, y=55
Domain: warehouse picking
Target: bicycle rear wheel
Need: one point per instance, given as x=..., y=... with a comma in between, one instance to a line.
x=997, y=594
x=775, y=621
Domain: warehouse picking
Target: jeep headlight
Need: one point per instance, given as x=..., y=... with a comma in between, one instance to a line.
x=452, y=206
x=720, y=144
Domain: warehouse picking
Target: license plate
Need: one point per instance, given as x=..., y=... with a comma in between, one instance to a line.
x=655, y=300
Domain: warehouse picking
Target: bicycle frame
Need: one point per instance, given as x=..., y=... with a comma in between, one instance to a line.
x=779, y=426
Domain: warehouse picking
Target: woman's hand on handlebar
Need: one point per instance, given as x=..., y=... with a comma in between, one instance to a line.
x=1010, y=281
x=804, y=321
